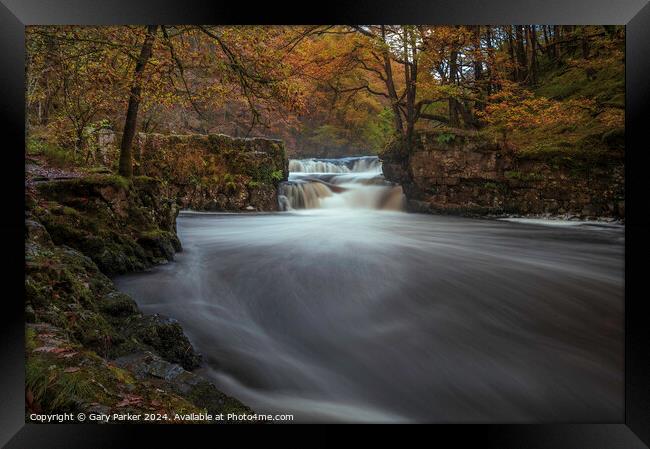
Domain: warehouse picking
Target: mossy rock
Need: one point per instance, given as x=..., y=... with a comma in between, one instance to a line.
x=78, y=320
x=121, y=229
x=161, y=245
x=117, y=304
x=62, y=376
x=198, y=391
x=85, y=186
x=166, y=337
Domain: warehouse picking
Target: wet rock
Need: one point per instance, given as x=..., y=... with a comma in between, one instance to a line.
x=61, y=375
x=77, y=232
x=147, y=364
x=36, y=232
x=161, y=245
x=166, y=336
x=201, y=392
x=263, y=198
x=589, y=211
x=117, y=304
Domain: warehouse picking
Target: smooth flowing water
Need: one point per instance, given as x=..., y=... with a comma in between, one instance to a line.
x=347, y=313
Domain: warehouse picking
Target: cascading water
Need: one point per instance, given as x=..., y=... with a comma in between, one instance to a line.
x=352, y=182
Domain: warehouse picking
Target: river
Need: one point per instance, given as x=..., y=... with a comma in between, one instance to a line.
x=344, y=308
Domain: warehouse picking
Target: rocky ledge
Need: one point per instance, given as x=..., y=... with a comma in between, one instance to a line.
x=456, y=172
x=210, y=172
x=88, y=347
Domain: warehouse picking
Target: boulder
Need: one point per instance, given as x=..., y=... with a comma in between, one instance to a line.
x=147, y=366
x=167, y=338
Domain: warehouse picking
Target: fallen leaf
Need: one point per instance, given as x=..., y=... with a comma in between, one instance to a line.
x=71, y=369
x=129, y=399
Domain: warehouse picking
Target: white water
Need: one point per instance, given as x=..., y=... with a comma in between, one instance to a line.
x=355, y=182
x=363, y=164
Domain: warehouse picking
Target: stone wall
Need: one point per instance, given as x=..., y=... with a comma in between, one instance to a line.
x=213, y=172
x=465, y=174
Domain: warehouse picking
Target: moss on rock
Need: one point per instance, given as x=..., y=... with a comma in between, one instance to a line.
x=63, y=376
x=217, y=172
x=166, y=337
x=104, y=216
x=77, y=233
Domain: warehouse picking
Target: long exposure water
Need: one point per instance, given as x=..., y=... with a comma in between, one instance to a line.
x=345, y=312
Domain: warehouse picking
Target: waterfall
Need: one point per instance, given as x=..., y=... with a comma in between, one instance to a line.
x=315, y=166
x=363, y=164
x=305, y=194
x=351, y=182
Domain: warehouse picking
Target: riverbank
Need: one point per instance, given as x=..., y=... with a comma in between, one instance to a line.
x=89, y=348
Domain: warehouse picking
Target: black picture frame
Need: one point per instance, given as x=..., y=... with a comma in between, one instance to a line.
x=633, y=432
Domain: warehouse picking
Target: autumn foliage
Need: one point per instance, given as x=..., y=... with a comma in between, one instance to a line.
x=326, y=90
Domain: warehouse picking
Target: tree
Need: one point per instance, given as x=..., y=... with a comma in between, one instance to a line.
x=313, y=86
x=126, y=163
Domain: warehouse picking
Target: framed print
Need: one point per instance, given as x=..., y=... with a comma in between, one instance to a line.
x=414, y=213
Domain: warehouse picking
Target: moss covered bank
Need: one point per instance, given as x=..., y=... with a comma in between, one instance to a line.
x=88, y=347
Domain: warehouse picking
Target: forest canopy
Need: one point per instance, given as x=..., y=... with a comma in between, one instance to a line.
x=325, y=90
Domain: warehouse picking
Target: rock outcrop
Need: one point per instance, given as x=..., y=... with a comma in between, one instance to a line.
x=465, y=174
x=214, y=172
x=122, y=226
x=88, y=347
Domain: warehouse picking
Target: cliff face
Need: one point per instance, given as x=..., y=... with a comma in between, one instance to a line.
x=465, y=174
x=211, y=172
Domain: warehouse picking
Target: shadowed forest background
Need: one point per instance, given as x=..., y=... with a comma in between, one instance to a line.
x=326, y=90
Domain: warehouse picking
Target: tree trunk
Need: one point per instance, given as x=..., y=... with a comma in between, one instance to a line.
x=51, y=86
x=478, y=58
x=411, y=73
x=490, y=60
x=478, y=65
x=390, y=86
x=453, y=103
x=556, y=46
x=546, y=39
x=532, y=57
x=567, y=33
x=521, y=53
x=585, y=43
x=130, y=123
x=513, y=60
